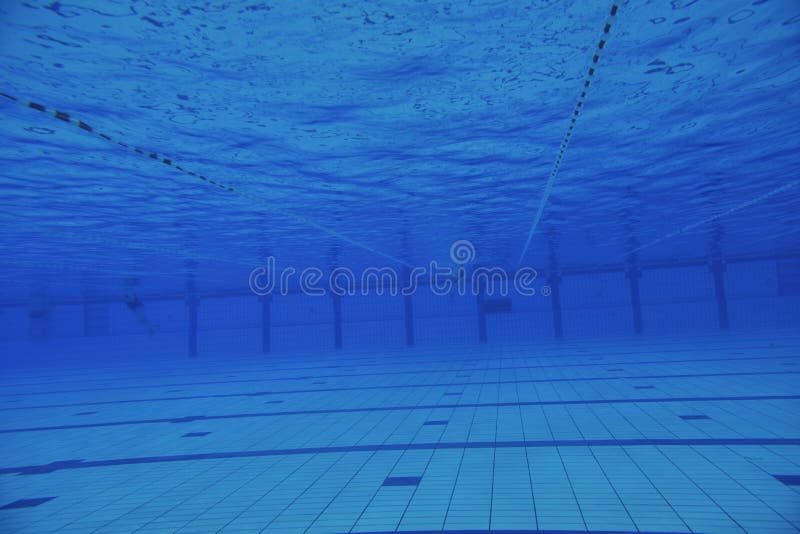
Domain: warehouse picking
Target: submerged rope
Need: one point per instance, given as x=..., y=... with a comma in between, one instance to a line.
x=610, y=20
x=155, y=157
x=702, y=222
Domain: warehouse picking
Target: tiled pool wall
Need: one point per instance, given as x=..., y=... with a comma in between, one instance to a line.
x=758, y=294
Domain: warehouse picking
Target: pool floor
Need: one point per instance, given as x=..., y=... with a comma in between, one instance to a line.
x=692, y=434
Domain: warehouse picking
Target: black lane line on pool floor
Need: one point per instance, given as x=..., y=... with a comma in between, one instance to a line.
x=388, y=373
x=574, y=402
x=83, y=464
x=399, y=387
x=506, y=531
x=26, y=503
x=358, y=362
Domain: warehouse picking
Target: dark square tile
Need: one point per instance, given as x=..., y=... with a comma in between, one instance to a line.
x=789, y=480
x=195, y=434
x=402, y=481
x=434, y=423
x=26, y=503
x=693, y=417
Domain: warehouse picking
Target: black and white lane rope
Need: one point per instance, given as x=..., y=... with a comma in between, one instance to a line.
x=576, y=111
x=169, y=162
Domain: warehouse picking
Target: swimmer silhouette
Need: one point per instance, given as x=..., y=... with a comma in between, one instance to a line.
x=134, y=304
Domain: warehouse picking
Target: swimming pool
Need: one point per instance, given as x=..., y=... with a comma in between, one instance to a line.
x=400, y=267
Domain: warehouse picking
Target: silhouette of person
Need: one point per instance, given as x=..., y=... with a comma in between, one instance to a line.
x=135, y=304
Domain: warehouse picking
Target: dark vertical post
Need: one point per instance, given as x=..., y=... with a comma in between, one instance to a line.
x=337, y=321
x=481, y=312
x=409, y=313
x=634, y=273
x=408, y=305
x=192, y=302
x=85, y=314
x=718, y=270
x=554, y=280
x=266, y=323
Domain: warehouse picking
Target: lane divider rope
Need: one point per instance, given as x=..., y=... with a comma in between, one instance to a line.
x=576, y=111
x=169, y=162
x=702, y=222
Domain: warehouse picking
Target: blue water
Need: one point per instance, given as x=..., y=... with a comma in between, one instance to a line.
x=400, y=266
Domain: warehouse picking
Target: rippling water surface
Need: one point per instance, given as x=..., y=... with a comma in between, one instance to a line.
x=402, y=126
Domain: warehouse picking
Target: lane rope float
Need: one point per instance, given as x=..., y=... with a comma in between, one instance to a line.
x=562, y=149
x=702, y=222
x=169, y=162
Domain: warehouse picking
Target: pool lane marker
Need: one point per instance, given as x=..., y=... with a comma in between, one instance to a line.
x=60, y=465
x=66, y=117
x=60, y=115
x=576, y=111
x=394, y=387
x=398, y=408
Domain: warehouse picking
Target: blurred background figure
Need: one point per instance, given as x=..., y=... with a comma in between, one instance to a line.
x=135, y=304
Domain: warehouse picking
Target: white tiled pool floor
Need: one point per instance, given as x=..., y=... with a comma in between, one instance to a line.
x=667, y=435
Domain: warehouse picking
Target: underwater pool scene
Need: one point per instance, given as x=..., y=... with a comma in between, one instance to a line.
x=414, y=266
